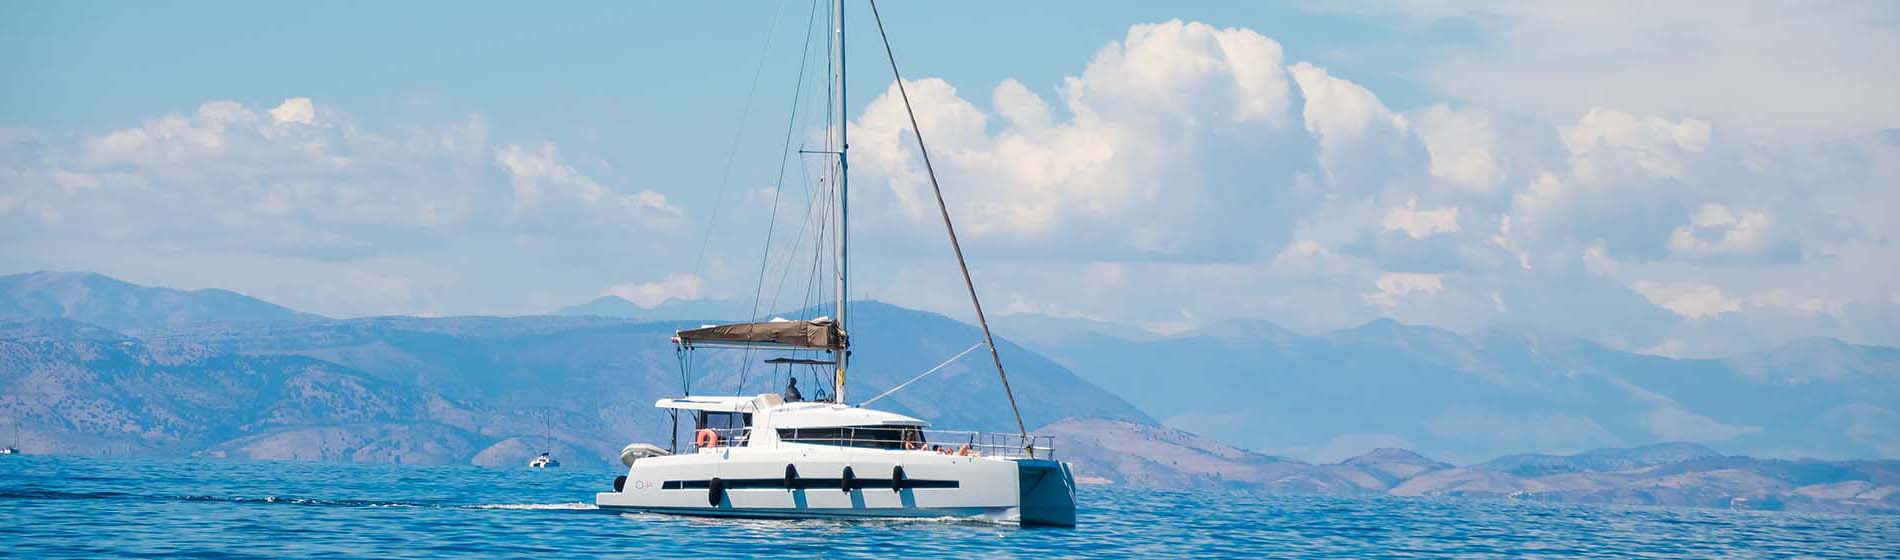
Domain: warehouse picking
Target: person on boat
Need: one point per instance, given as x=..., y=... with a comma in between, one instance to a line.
x=791, y=390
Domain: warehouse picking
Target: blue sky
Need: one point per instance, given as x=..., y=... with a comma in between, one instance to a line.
x=1686, y=179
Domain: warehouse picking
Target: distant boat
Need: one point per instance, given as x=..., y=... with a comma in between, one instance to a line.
x=13, y=448
x=546, y=459
x=785, y=457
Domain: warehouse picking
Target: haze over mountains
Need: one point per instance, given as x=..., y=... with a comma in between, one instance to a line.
x=92, y=365
x=1383, y=384
x=437, y=389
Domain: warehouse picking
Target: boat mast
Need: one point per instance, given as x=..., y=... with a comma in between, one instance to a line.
x=842, y=239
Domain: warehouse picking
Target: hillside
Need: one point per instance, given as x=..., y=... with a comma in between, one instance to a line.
x=455, y=389
x=1384, y=384
x=1671, y=474
x=101, y=300
x=496, y=390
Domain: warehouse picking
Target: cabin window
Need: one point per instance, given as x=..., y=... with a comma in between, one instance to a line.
x=724, y=421
x=875, y=437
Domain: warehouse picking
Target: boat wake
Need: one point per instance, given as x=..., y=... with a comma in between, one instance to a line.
x=571, y=506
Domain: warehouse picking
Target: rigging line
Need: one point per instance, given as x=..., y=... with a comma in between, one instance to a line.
x=719, y=196
x=791, y=255
x=932, y=370
x=948, y=228
x=778, y=186
x=827, y=197
x=804, y=225
x=811, y=205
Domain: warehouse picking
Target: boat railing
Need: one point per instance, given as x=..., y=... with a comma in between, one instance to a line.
x=990, y=444
x=728, y=437
x=948, y=442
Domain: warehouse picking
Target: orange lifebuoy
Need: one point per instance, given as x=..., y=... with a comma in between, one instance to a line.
x=706, y=438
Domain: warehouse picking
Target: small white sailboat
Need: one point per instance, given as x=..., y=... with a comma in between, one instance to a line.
x=13, y=448
x=772, y=456
x=546, y=459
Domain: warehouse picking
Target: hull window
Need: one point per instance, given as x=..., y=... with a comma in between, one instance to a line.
x=874, y=437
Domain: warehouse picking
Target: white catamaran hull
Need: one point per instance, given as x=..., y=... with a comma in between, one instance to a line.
x=755, y=483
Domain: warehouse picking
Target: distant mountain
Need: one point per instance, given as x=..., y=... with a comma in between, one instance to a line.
x=1386, y=384
x=463, y=389
x=1047, y=330
x=1676, y=474
x=1600, y=460
x=673, y=309
x=107, y=302
x=75, y=388
x=248, y=379
x=605, y=306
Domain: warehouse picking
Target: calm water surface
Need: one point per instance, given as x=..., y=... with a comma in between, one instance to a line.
x=52, y=506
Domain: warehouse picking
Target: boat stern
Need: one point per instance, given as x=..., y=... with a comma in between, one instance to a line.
x=1047, y=490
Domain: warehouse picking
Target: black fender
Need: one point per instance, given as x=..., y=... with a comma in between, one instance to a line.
x=715, y=491
x=848, y=480
x=897, y=478
x=791, y=477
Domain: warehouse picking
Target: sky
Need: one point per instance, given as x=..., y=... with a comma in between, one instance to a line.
x=1690, y=178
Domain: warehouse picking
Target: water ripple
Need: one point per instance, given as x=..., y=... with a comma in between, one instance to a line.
x=71, y=507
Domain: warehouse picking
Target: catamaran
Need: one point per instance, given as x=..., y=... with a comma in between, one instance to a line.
x=771, y=456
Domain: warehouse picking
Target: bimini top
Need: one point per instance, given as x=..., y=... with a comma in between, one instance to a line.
x=722, y=404
x=828, y=415
x=821, y=333
x=794, y=415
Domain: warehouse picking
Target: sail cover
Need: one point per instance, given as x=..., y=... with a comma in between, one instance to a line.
x=819, y=333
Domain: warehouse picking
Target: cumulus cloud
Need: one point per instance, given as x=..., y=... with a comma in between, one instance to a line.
x=1462, y=144
x=1154, y=120
x=1395, y=287
x=306, y=179
x=1182, y=154
x=1420, y=224
x=1715, y=229
x=1690, y=299
x=541, y=181
x=1362, y=144
x=1202, y=153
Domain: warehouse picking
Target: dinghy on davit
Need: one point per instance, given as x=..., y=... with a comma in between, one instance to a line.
x=781, y=457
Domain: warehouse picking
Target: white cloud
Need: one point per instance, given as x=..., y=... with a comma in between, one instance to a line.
x=1420, y=224
x=1395, y=287
x=295, y=110
x=1183, y=154
x=1691, y=299
x=1461, y=144
x=649, y=294
x=1774, y=71
x=1161, y=148
x=1308, y=257
x=1715, y=229
x=306, y=179
x=1596, y=260
x=1361, y=142
x=542, y=181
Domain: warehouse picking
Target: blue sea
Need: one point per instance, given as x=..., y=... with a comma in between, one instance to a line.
x=84, y=507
